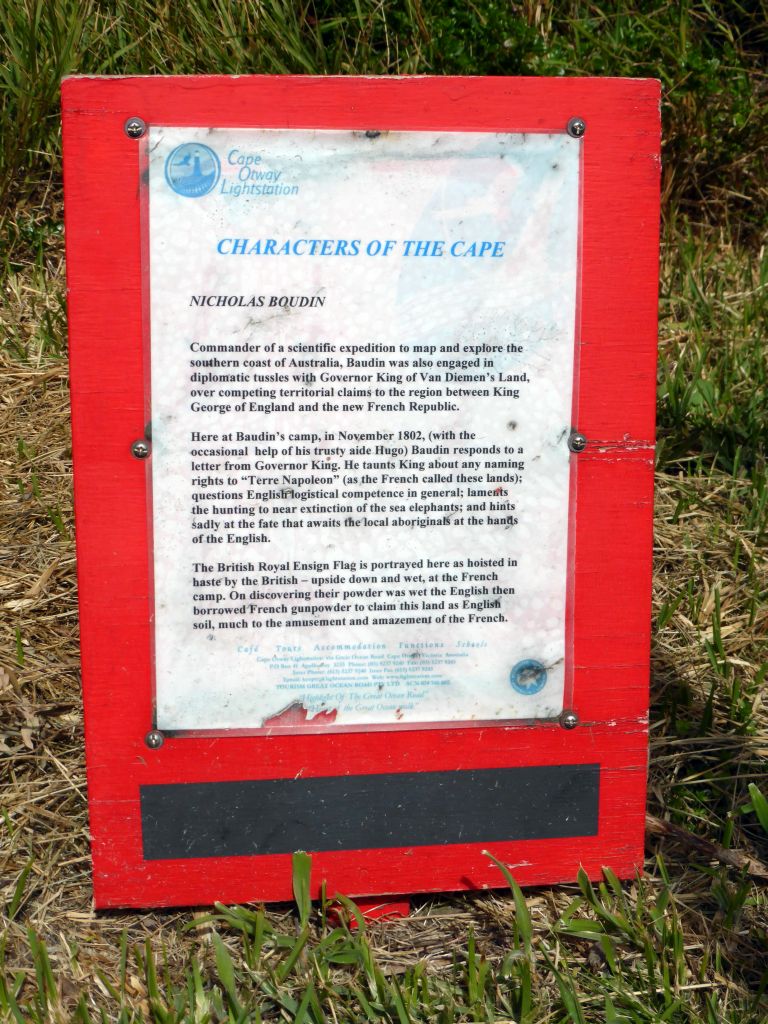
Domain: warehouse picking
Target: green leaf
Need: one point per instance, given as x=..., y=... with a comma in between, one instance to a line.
x=522, y=915
x=353, y=909
x=759, y=806
x=288, y=964
x=302, y=870
x=226, y=971
x=18, y=889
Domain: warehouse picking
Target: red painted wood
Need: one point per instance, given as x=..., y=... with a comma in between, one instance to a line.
x=610, y=584
x=373, y=909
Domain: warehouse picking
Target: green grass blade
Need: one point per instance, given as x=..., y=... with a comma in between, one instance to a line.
x=302, y=871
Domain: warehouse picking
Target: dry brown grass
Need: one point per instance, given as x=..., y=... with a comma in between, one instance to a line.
x=708, y=560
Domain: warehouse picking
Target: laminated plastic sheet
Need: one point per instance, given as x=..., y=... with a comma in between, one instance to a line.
x=362, y=351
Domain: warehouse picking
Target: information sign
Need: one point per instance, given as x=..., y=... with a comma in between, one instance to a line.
x=363, y=395
x=361, y=403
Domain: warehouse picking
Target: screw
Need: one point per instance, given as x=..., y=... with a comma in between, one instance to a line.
x=135, y=127
x=140, y=449
x=154, y=739
x=569, y=720
x=577, y=442
x=576, y=127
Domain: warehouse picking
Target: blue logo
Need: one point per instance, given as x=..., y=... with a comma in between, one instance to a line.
x=192, y=169
x=528, y=677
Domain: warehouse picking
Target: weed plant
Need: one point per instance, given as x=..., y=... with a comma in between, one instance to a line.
x=686, y=943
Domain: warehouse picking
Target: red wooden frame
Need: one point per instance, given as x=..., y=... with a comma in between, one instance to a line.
x=612, y=486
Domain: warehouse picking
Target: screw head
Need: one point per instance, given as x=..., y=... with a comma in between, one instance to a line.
x=135, y=127
x=577, y=442
x=569, y=720
x=576, y=127
x=140, y=449
x=154, y=739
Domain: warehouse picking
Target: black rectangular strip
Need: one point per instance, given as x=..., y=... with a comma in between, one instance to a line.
x=356, y=812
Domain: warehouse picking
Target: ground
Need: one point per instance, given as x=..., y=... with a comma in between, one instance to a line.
x=687, y=941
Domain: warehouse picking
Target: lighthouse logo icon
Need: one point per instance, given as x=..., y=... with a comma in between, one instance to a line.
x=192, y=169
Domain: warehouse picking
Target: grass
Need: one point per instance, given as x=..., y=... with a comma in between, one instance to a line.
x=688, y=942
x=611, y=952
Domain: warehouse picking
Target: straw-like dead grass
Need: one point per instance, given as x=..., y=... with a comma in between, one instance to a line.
x=709, y=735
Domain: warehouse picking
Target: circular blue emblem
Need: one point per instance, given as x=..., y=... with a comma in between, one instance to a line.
x=528, y=677
x=192, y=169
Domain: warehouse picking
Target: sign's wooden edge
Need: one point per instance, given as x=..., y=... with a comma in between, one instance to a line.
x=612, y=486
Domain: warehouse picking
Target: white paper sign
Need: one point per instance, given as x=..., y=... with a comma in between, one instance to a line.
x=361, y=384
